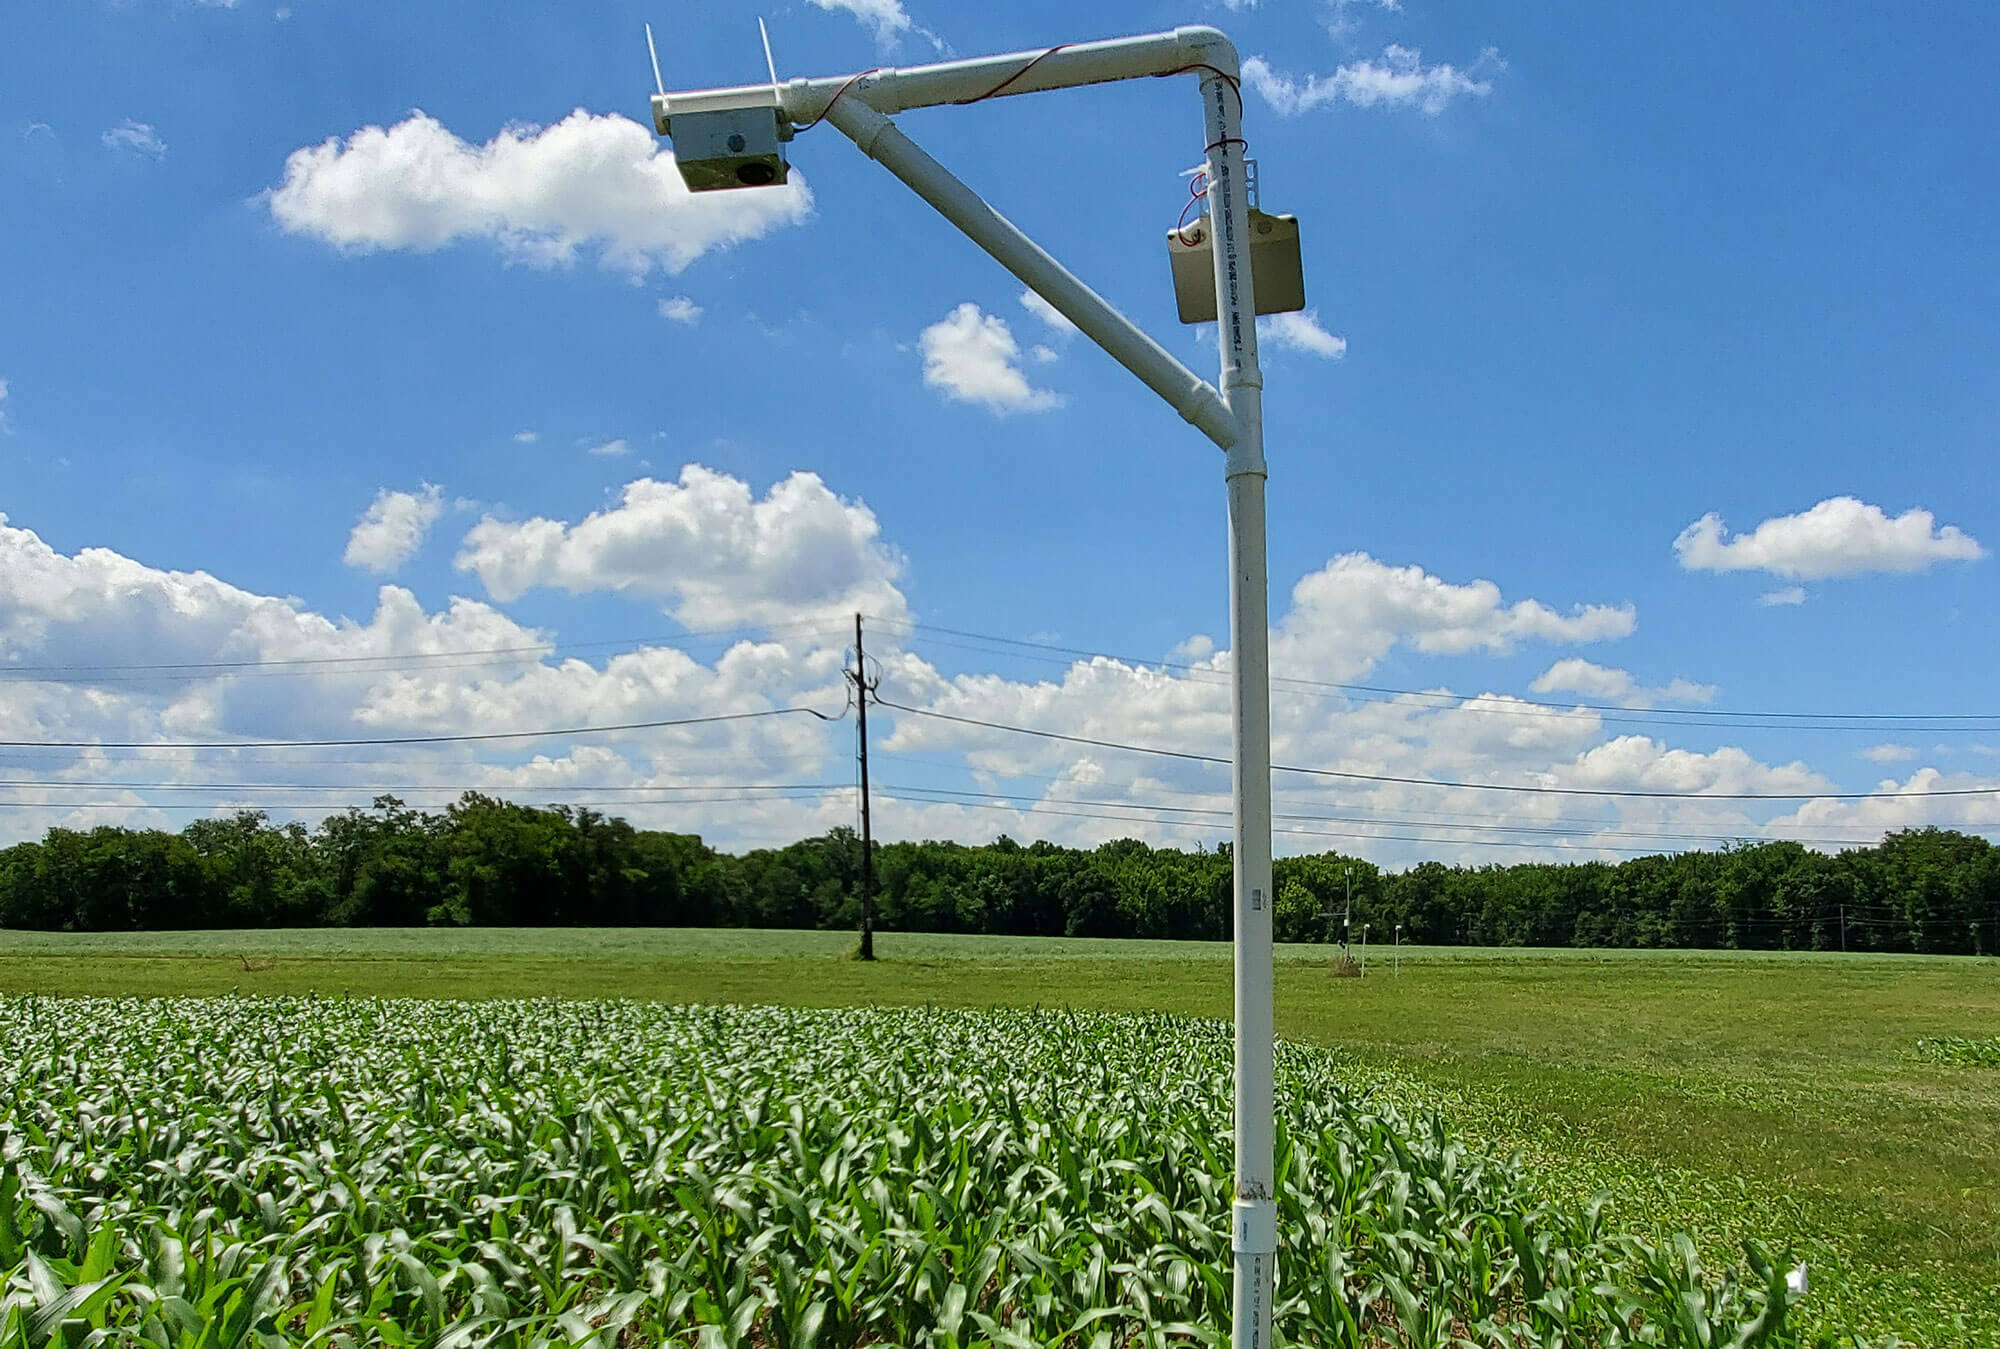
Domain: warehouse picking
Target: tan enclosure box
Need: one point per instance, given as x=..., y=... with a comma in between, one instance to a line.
x=1277, y=273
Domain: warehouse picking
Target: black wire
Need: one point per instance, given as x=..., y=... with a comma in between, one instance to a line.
x=1453, y=698
x=410, y=739
x=1290, y=830
x=1435, y=819
x=412, y=658
x=34, y=784
x=1536, y=827
x=1468, y=786
x=334, y=808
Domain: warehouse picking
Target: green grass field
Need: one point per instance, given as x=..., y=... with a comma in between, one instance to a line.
x=1727, y=1094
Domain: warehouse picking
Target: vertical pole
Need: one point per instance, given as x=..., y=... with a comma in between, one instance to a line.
x=1399, y=950
x=1843, y=927
x=1254, y=1215
x=867, y=840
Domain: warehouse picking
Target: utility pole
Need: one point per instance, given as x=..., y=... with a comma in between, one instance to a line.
x=862, y=688
x=1399, y=950
x=1843, y=927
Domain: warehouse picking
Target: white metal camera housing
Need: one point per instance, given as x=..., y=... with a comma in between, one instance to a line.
x=718, y=144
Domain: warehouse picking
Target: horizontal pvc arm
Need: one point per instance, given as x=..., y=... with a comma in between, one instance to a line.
x=893, y=89
x=1188, y=393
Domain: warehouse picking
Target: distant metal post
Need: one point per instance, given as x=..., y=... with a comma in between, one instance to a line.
x=1364, y=950
x=1399, y=950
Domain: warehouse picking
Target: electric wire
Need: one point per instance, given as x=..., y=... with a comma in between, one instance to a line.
x=1297, y=832
x=1794, y=830
x=392, y=662
x=327, y=808
x=1526, y=706
x=1537, y=827
x=419, y=739
x=1444, y=783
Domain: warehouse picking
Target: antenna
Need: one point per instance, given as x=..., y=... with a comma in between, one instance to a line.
x=654, y=52
x=769, y=64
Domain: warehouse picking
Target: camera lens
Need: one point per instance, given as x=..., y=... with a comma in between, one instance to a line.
x=736, y=145
x=755, y=175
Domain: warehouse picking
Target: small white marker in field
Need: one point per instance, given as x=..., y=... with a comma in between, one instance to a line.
x=1796, y=1280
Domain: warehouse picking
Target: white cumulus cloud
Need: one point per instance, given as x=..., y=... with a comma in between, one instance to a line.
x=973, y=357
x=138, y=138
x=1889, y=753
x=1352, y=612
x=1841, y=536
x=1784, y=595
x=401, y=672
x=886, y=19
x=391, y=530
x=710, y=551
x=1399, y=79
x=711, y=548
x=1573, y=674
x=610, y=449
x=543, y=195
x=1301, y=332
x=1046, y=312
x=680, y=309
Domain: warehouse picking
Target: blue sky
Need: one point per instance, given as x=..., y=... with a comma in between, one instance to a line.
x=307, y=301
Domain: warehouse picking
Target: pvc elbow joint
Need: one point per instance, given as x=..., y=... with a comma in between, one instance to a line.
x=1209, y=47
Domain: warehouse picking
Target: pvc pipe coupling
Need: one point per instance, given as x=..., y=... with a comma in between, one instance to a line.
x=1253, y=1229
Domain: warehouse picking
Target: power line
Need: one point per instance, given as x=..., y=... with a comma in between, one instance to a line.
x=413, y=739
x=39, y=784
x=1556, y=827
x=201, y=669
x=31, y=759
x=336, y=808
x=1523, y=706
x=1436, y=782
x=1294, y=831
x=1435, y=818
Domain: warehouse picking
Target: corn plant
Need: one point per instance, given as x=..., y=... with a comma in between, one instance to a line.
x=211, y=1174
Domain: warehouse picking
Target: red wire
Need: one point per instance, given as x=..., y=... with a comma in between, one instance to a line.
x=1197, y=189
x=851, y=82
x=1001, y=87
x=1235, y=86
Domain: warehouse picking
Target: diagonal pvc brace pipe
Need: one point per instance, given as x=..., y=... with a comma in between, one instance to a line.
x=1187, y=393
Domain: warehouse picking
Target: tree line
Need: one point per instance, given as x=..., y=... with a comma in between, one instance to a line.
x=484, y=861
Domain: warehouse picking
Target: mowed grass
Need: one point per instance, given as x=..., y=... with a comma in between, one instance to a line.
x=1727, y=1094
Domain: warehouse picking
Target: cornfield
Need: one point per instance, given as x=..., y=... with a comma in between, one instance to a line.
x=211, y=1174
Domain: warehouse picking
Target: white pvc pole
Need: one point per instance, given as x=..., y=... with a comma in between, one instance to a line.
x=1231, y=414
x=1254, y=1229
